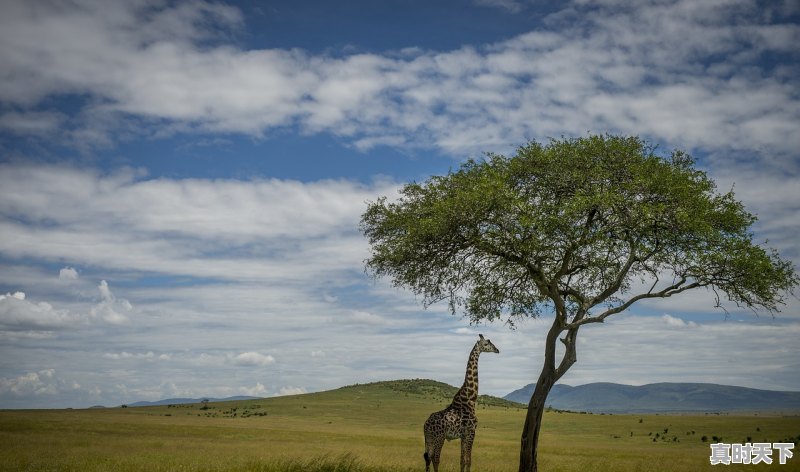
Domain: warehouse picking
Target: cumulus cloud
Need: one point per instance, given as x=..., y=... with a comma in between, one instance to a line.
x=676, y=322
x=67, y=273
x=19, y=314
x=15, y=295
x=109, y=307
x=32, y=383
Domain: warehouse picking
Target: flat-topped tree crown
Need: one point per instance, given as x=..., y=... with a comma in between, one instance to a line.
x=571, y=225
x=582, y=228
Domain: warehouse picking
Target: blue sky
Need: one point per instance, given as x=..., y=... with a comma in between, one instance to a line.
x=181, y=183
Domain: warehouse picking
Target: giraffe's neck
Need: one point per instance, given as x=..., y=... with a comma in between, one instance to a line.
x=467, y=395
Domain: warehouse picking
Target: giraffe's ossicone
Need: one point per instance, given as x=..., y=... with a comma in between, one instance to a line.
x=458, y=420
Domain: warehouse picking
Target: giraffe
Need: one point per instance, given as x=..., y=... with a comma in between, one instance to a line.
x=458, y=420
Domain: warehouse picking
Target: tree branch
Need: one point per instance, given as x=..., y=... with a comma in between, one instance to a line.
x=611, y=289
x=667, y=292
x=570, y=355
x=536, y=272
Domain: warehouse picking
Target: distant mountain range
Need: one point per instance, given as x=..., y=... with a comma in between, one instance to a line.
x=662, y=398
x=180, y=401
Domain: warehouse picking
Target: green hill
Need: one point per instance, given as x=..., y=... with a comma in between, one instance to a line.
x=424, y=388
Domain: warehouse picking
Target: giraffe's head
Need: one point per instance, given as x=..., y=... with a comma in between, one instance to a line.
x=486, y=346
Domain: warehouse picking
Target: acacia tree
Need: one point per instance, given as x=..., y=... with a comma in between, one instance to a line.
x=577, y=230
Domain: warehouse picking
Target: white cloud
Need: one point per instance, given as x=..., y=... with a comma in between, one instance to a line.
x=252, y=359
x=259, y=390
x=290, y=391
x=681, y=71
x=148, y=356
x=256, y=230
x=121, y=355
x=68, y=273
x=124, y=27
x=109, y=307
x=676, y=322
x=19, y=314
x=15, y=295
x=32, y=383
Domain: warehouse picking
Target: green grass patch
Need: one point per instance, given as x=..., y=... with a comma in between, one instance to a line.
x=364, y=428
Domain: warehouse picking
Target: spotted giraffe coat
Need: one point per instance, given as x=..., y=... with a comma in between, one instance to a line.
x=458, y=420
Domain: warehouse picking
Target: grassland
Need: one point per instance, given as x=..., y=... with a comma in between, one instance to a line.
x=362, y=428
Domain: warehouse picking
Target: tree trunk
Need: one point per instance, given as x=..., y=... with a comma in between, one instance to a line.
x=533, y=421
x=547, y=378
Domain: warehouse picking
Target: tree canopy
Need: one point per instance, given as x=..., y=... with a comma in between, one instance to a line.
x=584, y=227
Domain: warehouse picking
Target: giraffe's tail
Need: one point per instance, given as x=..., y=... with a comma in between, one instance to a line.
x=427, y=460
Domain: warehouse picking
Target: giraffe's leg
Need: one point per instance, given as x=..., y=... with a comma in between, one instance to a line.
x=427, y=432
x=466, y=449
x=438, y=442
x=428, y=451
